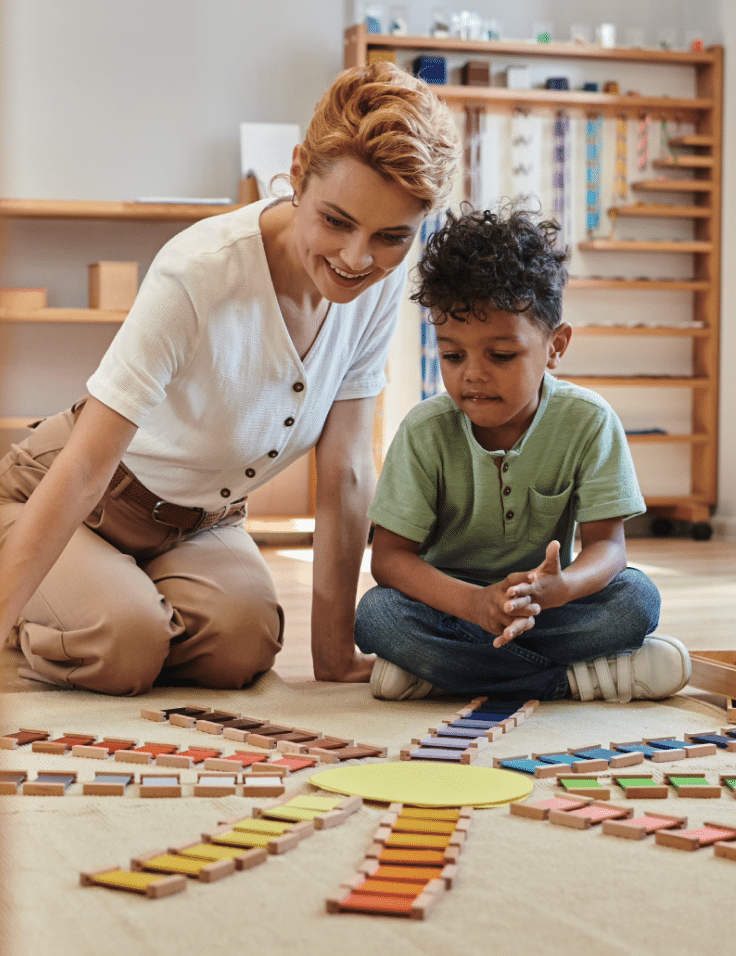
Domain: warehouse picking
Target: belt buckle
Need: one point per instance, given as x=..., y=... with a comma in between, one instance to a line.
x=200, y=512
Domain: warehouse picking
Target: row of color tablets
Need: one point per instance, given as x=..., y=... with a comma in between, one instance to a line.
x=165, y=754
x=411, y=862
x=236, y=844
x=265, y=780
x=262, y=733
x=581, y=814
x=462, y=735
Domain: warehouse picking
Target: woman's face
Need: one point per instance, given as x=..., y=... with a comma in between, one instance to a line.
x=352, y=228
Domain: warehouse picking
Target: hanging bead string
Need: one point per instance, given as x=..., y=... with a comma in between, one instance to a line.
x=561, y=179
x=593, y=150
x=473, y=154
x=620, y=170
x=664, y=141
x=642, y=143
x=430, y=361
x=521, y=156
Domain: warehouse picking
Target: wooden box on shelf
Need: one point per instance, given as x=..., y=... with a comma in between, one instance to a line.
x=23, y=300
x=113, y=285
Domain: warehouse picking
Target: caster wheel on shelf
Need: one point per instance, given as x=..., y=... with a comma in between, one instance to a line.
x=662, y=527
x=702, y=531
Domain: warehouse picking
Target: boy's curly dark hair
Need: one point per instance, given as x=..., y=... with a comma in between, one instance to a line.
x=503, y=260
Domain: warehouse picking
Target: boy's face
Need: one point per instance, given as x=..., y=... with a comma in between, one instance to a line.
x=493, y=371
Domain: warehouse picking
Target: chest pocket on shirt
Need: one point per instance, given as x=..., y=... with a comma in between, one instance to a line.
x=545, y=512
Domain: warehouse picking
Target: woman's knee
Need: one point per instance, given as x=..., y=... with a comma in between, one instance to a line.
x=231, y=642
x=119, y=654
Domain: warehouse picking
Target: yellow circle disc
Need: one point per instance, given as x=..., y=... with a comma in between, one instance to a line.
x=424, y=784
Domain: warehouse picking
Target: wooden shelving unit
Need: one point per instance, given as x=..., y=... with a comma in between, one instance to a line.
x=81, y=210
x=692, y=167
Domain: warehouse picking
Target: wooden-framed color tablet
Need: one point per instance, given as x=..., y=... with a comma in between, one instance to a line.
x=541, y=809
x=108, y=784
x=641, y=787
x=207, y=871
x=243, y=859
x=49, y=784
x=584, y=817
x=151, y=885
x=11, y=780
x=160, y=785
x=146, y=753
x=21, y=737
x=62, y=745
x=216, y=784
x=706, y=835
x=104, y=748
x=692, y=785
x=640, y=827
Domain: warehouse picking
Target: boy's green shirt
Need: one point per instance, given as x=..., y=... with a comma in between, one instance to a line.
x=474, y=519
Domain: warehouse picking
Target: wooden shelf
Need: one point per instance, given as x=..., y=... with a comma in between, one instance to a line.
x=133, y=211
x=698, y=185
x=649, y=285
x=696, y=140
x=687, y=110
x=684, y=162
x=635, y=381
x=669, y=439
x=642, y=330
x=567, y=51
x=673, y=185
x=644, y=245
x=63, y=315
x=661, y=210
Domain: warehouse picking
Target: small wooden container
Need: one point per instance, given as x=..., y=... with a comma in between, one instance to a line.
x=113, y=285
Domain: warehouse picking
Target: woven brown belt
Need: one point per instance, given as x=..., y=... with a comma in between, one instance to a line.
x=186, y=519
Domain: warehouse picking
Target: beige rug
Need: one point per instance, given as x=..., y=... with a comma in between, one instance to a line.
x=523, y=887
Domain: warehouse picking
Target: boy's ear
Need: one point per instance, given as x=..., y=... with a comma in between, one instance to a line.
x=558, y=344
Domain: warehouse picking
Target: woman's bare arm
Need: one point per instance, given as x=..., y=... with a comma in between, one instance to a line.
x=69, y=491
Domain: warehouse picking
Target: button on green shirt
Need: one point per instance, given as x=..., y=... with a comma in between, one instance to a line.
x=476, y=519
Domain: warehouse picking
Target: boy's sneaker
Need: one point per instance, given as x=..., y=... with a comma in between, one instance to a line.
x=660, y=668
x=390, y=682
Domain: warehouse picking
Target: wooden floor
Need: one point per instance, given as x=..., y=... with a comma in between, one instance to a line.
x=697, y=581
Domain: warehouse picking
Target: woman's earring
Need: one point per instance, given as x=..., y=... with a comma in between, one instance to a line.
x=294, y=200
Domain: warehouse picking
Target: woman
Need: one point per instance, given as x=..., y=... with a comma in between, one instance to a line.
x=256, y=336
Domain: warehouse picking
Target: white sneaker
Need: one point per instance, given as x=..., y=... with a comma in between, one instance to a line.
x=660, y=668
x=390, y=682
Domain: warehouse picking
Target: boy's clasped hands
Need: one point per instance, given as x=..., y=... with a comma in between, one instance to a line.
x=509, y=607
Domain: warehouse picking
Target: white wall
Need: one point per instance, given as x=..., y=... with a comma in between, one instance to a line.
x=115, y=100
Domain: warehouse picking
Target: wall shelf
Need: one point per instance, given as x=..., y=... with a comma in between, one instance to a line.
x=63, y=315
x=648, y=285
x=642, y=330
x=663, y=210
x=125, y=211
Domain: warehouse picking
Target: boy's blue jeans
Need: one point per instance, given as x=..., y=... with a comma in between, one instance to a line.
x=460, y=658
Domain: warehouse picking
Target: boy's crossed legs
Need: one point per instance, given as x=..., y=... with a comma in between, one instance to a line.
x=594, y=647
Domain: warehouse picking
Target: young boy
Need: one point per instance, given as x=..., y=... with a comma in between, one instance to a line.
x=482, y=490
